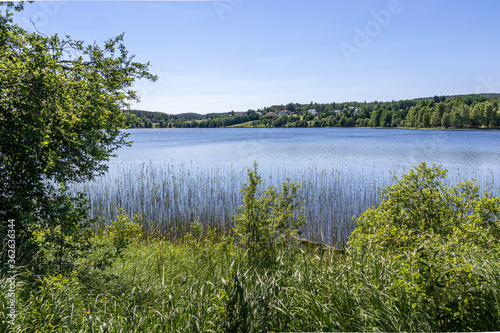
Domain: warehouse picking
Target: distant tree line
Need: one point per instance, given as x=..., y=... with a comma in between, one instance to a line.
x=468, y=111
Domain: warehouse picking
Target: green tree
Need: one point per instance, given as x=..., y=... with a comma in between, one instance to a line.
x=476, y=117
x=61, y=115
x=446, y=120
x=463, y=110
x=375, y=118
x=410, y=120
x=440, y=108
x=397, y=122
x=332, y=121
x=489, y=116
x=343, y=120
x=435, y=119
x=426, y=119
x=386, y=118
x=456, y=119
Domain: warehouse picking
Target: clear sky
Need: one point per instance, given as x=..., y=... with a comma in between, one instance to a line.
x=213, y=56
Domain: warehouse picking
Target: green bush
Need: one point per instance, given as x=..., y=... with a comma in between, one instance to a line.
x=63, y=236
x=269, y=222
x=439, y=236
x=122, y=232
x=419, y=208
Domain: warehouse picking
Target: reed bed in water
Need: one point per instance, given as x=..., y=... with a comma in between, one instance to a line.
x=170, y=197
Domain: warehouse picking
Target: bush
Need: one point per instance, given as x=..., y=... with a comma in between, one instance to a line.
x=440, y=237
x=122, y=232
x=63, y=236
x=269, y=222
x=419, y=208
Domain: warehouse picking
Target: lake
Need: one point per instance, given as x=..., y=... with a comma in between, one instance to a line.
x=469, y=153
x=175, y=176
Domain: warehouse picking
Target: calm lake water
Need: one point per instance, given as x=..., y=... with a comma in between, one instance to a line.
x=356, y=151
x=172, y=177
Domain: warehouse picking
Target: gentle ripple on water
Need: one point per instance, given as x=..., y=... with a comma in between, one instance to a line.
x=354, y=149
x=174, y=176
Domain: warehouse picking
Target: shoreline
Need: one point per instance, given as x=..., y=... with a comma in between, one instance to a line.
x=380, y=128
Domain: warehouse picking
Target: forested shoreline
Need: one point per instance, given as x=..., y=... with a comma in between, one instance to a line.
x=478, y=111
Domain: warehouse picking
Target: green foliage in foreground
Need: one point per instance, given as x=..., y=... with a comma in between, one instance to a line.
x=268, y=223
x=440, y=274
x=419, y=209
x=60, y=119
x=435, y=233
x=210, y=287
x=122, y=231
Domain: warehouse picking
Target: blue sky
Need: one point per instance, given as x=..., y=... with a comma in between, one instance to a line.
x=247, y=54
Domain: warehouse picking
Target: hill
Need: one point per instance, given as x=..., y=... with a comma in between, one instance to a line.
x=456, y=111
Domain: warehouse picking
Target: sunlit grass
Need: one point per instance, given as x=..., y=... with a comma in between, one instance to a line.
x=160, y=286
x=248, y=124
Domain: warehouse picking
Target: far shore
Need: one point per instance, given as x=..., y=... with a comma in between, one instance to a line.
x=380, y=128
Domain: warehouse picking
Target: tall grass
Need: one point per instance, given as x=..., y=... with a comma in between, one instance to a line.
x=164, y=287
x=170, y=197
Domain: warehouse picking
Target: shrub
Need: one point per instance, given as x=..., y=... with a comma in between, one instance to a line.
x=122, y=232
x=63, y=236
x=269, y=222
x=419, y=208
x=440, y=237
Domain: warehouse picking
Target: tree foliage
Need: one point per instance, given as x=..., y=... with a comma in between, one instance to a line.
x=61, y=114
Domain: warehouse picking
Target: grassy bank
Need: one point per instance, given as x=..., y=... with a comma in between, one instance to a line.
x=208, y=286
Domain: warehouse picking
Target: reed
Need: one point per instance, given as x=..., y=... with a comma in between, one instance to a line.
x=170, y=197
